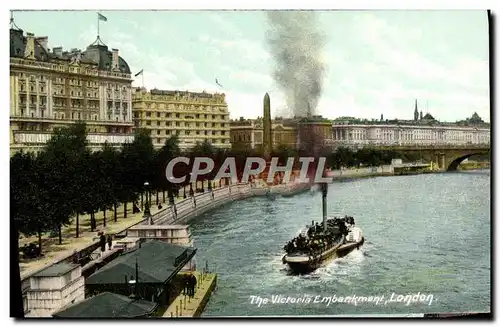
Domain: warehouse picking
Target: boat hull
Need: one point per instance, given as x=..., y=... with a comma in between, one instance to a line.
x=307, y=265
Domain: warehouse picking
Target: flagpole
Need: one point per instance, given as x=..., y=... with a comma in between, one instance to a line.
x=142, y=75
x=98, y=24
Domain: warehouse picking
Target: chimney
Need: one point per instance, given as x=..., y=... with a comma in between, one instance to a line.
x=43, y=41
x=29, y=50
x=57, y=51
x=114, y=60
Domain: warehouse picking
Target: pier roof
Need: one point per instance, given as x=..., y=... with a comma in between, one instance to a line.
x=157, y=263
x=108, y=305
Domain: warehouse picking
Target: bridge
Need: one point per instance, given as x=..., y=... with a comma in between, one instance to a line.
x=446, y=156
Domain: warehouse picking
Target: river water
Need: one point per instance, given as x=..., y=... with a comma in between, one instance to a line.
x=424, y=233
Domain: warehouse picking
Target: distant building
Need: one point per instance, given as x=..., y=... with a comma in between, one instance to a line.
x=249, y=133
x=50, y=89
x=423, y=130
x=193, y=117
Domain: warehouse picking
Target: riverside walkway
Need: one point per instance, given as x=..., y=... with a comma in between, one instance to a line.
x=54, y=252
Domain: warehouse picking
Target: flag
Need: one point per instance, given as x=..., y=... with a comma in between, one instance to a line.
x=217, y=82
x=139, y=73
x=101, y=17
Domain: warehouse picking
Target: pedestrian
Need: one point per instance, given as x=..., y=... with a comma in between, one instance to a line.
x=110, y=242
x=102, y=242
x=185, y=284
x=193, y=284
x=188, y=284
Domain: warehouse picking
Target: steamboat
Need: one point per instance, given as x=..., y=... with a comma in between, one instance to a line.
x=317, y=243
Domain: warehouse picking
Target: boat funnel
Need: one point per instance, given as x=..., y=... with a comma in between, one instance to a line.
x=324, y=189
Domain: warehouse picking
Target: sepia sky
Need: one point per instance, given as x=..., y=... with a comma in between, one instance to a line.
x=377, y=62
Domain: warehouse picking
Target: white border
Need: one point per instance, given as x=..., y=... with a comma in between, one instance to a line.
x=187, y=4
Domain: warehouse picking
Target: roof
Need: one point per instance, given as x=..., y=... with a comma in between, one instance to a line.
x=97, y=54
x=108, y=305
x=157, y=262
x=56, y=270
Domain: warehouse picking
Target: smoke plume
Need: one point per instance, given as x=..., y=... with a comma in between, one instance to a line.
x=295, y=41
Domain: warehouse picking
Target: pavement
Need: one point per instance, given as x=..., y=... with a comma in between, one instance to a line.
x=54, y=252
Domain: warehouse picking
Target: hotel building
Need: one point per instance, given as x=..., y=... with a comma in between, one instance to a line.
x=193, y=117
x=50, y=89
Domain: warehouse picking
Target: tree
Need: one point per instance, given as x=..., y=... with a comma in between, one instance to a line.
x=205, y=150
x=110, y=175
x=20, y=183
x=168, y=152
x=62, y=163
x=137, y=160
x=283, y=152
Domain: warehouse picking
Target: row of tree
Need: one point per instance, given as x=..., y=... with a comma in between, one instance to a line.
x=66, y=179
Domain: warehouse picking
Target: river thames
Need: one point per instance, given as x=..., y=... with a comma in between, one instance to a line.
x=427, y=234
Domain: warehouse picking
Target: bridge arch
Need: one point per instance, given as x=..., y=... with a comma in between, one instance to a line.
x=455, y=163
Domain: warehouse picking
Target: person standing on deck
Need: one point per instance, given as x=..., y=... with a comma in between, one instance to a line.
x=193, y=284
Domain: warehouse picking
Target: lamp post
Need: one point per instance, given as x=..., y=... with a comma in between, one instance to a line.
x=170, y=191
x=191, y=191
x=132, y=283
x=147, y=211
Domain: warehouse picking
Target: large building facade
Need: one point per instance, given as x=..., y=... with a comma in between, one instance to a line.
x=423, y=130
x=416, y=135
x=193, y=117
x=54, y=88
